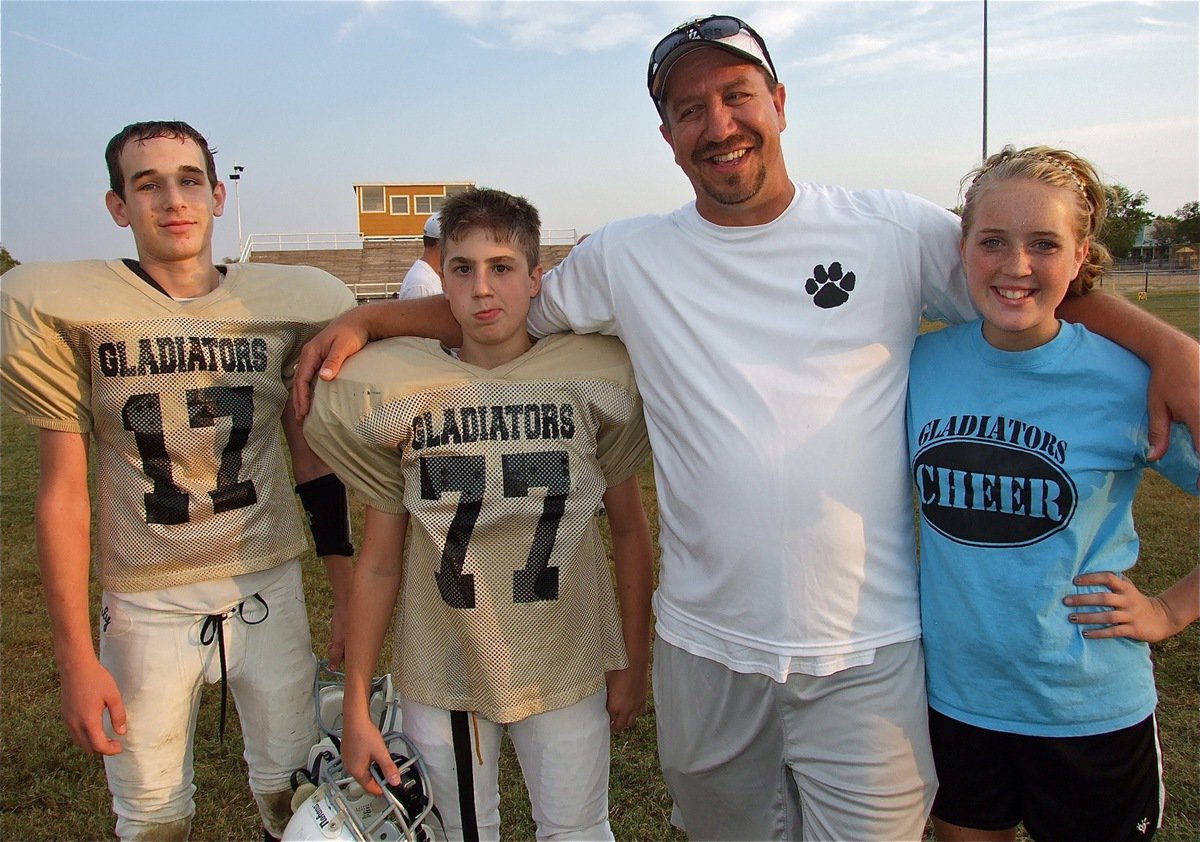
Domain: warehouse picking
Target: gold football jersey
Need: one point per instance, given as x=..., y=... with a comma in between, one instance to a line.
x=507, y=605
x=183, y=400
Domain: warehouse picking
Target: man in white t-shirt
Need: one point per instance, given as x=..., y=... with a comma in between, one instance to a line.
x=423, y=279
x=769, y=324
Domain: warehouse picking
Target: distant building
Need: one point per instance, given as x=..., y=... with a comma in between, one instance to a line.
x=387, y=211
x=391, y=219
x=1185, y=257
x=1147, y=251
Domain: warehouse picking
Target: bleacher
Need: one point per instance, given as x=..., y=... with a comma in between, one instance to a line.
x=378, y=268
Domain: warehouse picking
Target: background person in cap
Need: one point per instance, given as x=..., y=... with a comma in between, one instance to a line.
x=423, y=279
x=770, y=324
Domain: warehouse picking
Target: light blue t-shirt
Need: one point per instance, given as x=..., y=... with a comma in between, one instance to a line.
x=1026, y=464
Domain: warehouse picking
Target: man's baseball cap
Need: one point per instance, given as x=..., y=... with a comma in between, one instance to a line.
x=722, y=31
x=433, y=226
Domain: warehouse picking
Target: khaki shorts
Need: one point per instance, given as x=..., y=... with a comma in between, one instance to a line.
x=843, y=756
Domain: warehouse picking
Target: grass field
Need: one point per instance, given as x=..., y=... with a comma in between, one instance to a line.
x=51, y=790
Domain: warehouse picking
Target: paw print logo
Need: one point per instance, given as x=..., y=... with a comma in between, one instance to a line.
x=829, y=288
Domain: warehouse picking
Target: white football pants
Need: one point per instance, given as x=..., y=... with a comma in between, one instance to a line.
x=158, y=659
x=564, y=757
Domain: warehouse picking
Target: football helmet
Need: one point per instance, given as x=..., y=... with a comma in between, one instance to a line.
x=337, y=808
x=328, y=804
x=329, y=688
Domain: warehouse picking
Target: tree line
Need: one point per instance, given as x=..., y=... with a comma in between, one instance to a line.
x=1127, y=215
x=7, y=261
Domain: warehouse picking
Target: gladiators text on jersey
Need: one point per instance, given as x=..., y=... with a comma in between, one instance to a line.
x=511, y=422
x=172, y=354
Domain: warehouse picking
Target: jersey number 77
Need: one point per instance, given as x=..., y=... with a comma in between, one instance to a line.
x=521, y=472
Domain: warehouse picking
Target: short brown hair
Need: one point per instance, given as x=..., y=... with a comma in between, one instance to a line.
x=138, y=132
x=506, y=217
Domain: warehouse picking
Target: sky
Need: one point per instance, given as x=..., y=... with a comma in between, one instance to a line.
x=549, y=100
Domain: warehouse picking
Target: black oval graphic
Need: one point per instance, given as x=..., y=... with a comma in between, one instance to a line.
x=991, y=494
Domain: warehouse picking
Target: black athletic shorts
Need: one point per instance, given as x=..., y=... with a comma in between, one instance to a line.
x=1102, y=787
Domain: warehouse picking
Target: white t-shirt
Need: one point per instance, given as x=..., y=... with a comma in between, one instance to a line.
x=773, y=362
x=422, y=280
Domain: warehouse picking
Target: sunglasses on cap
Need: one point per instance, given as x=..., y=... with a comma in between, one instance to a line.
x=725, y=31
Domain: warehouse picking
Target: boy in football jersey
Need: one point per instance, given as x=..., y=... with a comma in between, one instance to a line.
x=498, y=456
x=179, y=370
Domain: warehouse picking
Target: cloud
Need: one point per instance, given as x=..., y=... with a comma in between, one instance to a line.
x=776, y=22
x=1024, y=53
x=875, y=54
x=875, y=40
x=466, y=11
x=1134, y=129
x=40, y=42
x=553, y=27
x=366, y=10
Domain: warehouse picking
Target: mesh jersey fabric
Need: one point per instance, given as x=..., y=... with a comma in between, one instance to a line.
x=507, y=606
x=183, y=400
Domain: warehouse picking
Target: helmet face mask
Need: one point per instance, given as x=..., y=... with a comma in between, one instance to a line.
x=339, y=809
x=330, y=805
x=328, y=690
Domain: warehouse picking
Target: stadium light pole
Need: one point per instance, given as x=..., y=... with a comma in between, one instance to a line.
x=985, y=80
x=236, y=178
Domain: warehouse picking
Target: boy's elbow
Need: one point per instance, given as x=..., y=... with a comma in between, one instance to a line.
x=306, y=465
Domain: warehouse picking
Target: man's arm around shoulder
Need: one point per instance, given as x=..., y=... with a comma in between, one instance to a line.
x=1173, y=357
x=324, y=354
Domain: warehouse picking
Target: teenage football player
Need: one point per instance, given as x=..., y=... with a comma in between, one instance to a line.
x=497, y=455
x=178, y=370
